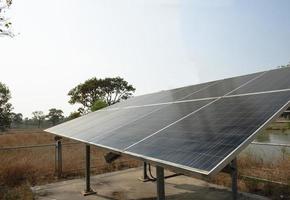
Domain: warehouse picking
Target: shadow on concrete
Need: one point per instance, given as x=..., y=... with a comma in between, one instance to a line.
x=198, y=192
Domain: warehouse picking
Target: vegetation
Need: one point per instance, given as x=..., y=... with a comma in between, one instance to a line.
x=99, y=104
x=94, y=91
x=55, y=116
x=17, y=118
x=22, y=168
x=74, y=115
x=93, y=94
x=282, y=66
x=256, y=176
x=5, y=107
x=5, y=24
x=39, y=117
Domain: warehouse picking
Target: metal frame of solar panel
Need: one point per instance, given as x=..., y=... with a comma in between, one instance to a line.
x=195, y=130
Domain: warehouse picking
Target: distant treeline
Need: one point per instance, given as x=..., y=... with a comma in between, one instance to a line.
x=92, y=95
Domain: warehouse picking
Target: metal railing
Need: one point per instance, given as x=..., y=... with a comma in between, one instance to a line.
x=60, y=158
x=271, y=144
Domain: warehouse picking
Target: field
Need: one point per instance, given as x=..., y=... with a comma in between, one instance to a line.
x=22, y=167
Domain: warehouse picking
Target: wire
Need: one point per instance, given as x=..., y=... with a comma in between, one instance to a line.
x=150, y=173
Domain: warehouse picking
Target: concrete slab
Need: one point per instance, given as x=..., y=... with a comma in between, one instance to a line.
x=124, y=185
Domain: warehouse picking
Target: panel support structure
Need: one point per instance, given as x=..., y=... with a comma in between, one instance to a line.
x=88, y=190
x=145, y=176
x=234, y=175
x=58, y=157
x=160, y=183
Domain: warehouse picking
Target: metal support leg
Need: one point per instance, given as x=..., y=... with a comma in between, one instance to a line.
x=58, y=158
x=234, y=175
x=160, y=183
x=88, y=190
x=145, y=177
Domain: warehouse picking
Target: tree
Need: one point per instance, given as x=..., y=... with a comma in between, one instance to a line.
x=5, y=24
x=283, y=66
x=39, y=117
x=5, y=107
x=55, y=116
x=74, y=115
x=17, y=118
x=116, y=89
x=99, y=104
x=108, y=90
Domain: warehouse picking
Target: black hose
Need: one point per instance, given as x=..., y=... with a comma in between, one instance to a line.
x=150, y=173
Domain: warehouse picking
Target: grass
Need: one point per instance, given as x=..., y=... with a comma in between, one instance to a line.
x=21, y=168
x=253, y=174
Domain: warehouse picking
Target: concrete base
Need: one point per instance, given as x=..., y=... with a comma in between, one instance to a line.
x=85, y=193
x=124, y=185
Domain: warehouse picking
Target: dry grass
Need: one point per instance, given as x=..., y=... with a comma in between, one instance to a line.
x=22, y=167
x=249, y=167
x=22, y=192
x=25, y=137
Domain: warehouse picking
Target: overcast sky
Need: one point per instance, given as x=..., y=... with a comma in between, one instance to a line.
x=153, y=44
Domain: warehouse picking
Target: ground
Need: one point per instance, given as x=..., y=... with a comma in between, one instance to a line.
x=125, y=185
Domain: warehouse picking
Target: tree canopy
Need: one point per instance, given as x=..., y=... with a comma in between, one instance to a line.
x=39, y=117
x=108, y=90
x=99, y=104
x=5, y=24
x=74, y=115
x=17, y=118
x=55, y=116
x=5, y=106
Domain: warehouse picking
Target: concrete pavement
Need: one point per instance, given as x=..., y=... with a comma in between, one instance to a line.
x=124, y=185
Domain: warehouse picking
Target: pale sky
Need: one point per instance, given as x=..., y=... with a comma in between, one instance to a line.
x=153, y=44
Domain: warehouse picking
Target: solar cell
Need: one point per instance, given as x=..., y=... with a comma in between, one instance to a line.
x=163, y=96
x=101, y=122
x=272, y=80
x=203, y=140
x=139, y=129
x=223, y=87
x=204, y=90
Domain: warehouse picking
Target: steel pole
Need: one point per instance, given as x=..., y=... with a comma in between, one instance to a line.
x=88, y=166
x=58, y=158
x=234, y=175
x=145, y=176
x=88, y=190
x=160, y=183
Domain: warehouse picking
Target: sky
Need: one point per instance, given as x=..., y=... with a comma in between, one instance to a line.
x=153, y=44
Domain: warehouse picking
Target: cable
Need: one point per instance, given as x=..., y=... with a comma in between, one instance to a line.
x=150, y=173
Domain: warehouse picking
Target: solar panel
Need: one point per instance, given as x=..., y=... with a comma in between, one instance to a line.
x=101, y=122
x=223, y=87
x=204, y=90
x=139, y=129
x=197, y=128
x=163, y=96
x=272, y=80
x=202, y=140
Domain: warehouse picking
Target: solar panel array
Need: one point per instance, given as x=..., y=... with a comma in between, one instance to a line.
x=198, y=128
